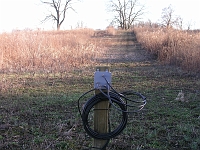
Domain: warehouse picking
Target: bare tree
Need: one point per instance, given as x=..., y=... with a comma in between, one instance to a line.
x=60, y=7
x=126, y=12
x=169, y=19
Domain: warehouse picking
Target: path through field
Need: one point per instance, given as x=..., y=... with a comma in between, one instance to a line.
x=124, y=49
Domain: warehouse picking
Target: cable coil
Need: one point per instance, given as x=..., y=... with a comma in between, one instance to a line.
x=120, y=101
x=93, y=101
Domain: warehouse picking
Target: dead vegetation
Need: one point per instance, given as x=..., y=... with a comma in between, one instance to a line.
x=174, y=47
x=47, y=51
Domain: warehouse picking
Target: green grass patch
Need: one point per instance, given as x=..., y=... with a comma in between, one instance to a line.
x=41, y=112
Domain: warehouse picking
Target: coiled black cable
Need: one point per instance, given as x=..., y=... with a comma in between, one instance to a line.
x=119, y=101
x=93, y=101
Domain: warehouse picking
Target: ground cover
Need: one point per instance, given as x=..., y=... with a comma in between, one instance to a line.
x=39, y=111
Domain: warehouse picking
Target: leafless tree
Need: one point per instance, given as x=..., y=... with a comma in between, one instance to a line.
x=60, y=7
x=126, y=12
x=189, y=25
x=169, y=19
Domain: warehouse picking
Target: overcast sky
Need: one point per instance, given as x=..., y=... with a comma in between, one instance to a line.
x=21, y=14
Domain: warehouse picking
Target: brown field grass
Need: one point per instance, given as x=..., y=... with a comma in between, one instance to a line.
x=48, y=51
x=40, y=112
x=174, y=47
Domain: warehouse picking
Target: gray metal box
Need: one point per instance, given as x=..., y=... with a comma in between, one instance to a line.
x=99, y=79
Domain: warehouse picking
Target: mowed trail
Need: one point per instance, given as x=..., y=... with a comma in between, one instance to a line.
x=125, y=49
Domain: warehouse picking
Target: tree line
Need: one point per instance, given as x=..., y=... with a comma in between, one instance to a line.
x=126, y=13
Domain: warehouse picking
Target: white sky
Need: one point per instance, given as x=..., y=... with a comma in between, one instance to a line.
x=21, y=14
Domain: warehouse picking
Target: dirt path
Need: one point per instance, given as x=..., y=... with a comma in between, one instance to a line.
x=125, y=48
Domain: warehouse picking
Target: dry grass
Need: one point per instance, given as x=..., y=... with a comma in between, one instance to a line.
x=175, y=47
x=47, y=51
x=40, y=112
x=111, y=30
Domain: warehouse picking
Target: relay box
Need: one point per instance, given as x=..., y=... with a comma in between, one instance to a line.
x=102, y=79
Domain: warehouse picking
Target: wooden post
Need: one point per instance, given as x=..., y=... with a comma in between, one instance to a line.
x=101, y=116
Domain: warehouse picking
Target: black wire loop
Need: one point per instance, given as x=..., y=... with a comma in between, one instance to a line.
x=120, y=101
x=90, y=104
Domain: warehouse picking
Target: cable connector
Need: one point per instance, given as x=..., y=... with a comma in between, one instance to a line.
x=99, y=79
